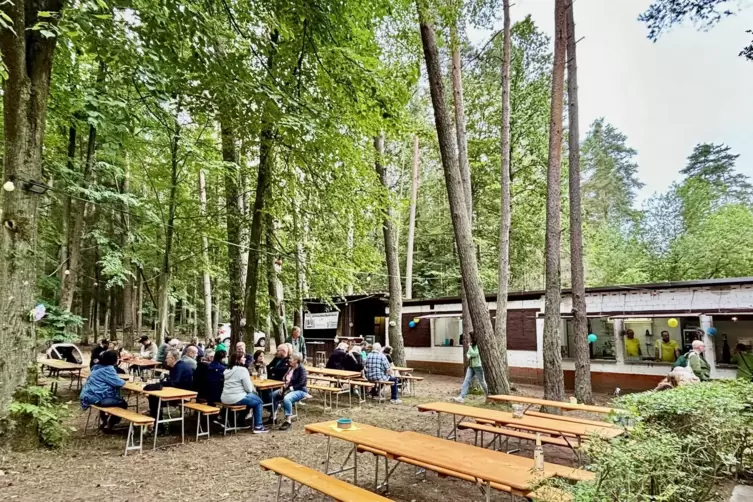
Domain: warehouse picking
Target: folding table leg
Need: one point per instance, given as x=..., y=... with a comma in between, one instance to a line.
x=355, y=464
x=326, y=462
x=87, y=421
x=156, y=423
x=279, y=487
x=182, y=423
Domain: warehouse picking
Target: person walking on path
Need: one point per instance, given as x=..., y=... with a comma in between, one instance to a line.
x=298, y=342
x=474, y=369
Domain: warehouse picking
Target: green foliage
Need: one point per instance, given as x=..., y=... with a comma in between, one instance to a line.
x=684, y=443
x=58, y=325
x=34, y=411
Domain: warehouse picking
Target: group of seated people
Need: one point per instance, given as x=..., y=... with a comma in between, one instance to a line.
x=374, y=361
x=216, y=378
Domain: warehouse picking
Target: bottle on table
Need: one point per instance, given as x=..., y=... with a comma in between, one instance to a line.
x=538, y=455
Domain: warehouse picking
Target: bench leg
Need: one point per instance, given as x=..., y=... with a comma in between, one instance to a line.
x=198, y=425
x=87, y=421
x=326, y=462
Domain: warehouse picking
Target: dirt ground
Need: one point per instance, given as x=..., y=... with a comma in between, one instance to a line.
x=227, y=468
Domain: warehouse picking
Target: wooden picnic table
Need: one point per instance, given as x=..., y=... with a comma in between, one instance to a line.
x=165, y=394
x=526, y=422
x=60, y=365
x=517, y=461
x=347, y=375
x=57, y=365
x=479, y=463
x=267, y=384
x=533, y=401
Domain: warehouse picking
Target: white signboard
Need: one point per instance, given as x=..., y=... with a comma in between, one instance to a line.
x=327, y=320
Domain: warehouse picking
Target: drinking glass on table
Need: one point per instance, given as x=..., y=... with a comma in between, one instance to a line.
x=517, y=411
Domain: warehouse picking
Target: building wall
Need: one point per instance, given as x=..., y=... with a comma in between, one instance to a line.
x=527, y=366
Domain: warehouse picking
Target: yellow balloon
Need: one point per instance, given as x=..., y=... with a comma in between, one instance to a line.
x=672, y=323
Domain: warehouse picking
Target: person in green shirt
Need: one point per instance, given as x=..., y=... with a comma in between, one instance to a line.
x=667, y=350
x=474, y=369
x=743, y=358
x=632, y=344
x=297, y=341
x=697, y=363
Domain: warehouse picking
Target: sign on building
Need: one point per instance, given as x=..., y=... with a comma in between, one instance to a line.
x=326, y=320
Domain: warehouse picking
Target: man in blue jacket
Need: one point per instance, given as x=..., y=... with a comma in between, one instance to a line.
x=102, y=388
x=180, y=376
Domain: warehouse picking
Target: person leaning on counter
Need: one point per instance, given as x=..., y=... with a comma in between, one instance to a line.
x=667, y=351
x=632, y=344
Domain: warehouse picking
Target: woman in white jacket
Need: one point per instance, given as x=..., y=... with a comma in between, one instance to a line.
x=238, y=389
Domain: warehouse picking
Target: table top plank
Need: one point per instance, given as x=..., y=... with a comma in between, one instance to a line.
x=144, y=363
x=553, y=404
x=535, y=423
x=333, y=373
x=470, y=460
x=59, y=364
x=166, y=393
x=515, y=460
x=266, y=384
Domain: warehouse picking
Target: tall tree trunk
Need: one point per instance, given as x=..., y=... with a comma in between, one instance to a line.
x=300, y=263
x=27, y=55
x=67, y=209
x=266, y=161
x=465, y=168
x=243, y=203
x=139, y=302
x=393, y=261
x=351, y=244
x=112, y=326
x=412, y=221
x=128, y=310
x=276, y=301
x=207, y=280
x=489, y=348
x=166, y=322
x=554, y=387
x=77, y=230
x=234, y=218
x=580, y=321
x=500, y=328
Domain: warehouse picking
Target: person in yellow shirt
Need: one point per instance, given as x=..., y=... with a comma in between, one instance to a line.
x=632, y=344
x=667, y=350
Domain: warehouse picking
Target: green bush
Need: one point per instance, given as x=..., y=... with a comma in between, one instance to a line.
x=59, y=325
x=35, y=417
x=683, y=444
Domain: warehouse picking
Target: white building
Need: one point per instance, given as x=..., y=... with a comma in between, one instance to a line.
x=726, y=304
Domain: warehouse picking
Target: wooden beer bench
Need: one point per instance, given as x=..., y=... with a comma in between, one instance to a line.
x=129, y=416
x=339, y=490
x=207, y=411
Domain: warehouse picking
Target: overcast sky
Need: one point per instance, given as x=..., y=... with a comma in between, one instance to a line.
x=688, y=87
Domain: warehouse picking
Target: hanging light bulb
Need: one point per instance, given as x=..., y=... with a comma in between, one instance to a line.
x=67, y=272
x=8, y=186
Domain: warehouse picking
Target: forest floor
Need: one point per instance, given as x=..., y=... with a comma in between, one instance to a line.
x=227, y=468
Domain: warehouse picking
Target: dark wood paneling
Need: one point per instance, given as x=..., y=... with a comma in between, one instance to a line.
x=420, y=336
x=521, y=330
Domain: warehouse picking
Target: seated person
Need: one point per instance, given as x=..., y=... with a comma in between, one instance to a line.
x=240, y=348
x=171, y=343
x=238, y=389
x=180, y=376
x=280, y=364
x=293, y=391
x=258, y=365
x=189, y=357
x=387, y=351
x=337, y=357
x=148, y=349
x=104, y=345
x=199, y=347
x=102, y=388
x=378, y=369
x=215, y=378
x=353, y=362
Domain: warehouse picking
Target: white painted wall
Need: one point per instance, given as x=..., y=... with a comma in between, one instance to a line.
x=628, y=301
